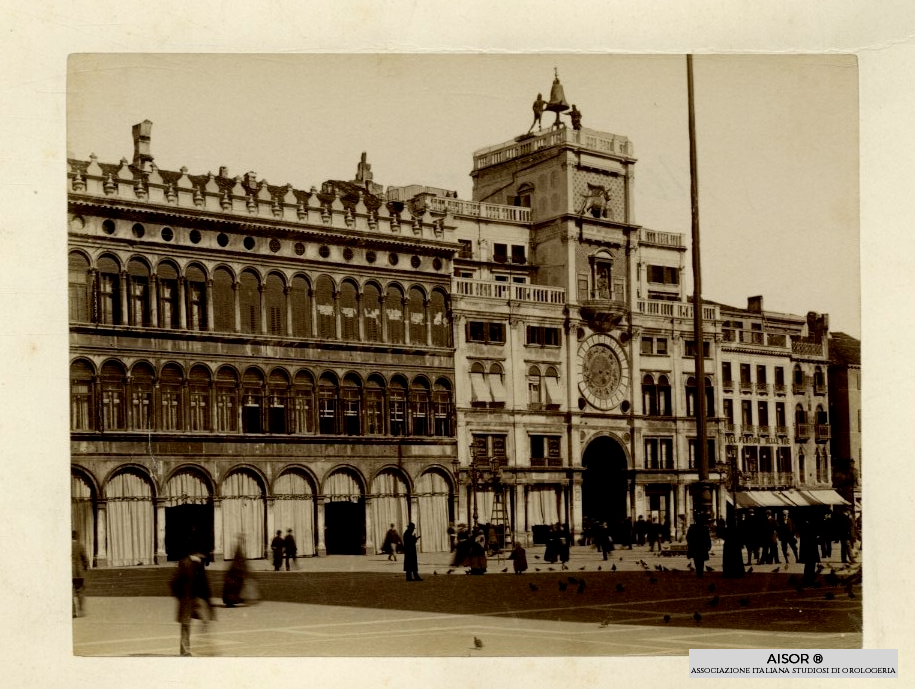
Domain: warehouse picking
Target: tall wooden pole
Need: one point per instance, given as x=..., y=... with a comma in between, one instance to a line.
x=702, y=496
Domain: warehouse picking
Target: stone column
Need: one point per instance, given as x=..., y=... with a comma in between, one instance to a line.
x=369, y=527
x=320, y=500
x=182, y=302
x=360, y=320
x=287, y=292
x=338, y=325
x=161, y=556
x=271, y=524
x=405, y=318
x=313, y=311
x=218, y=545
x=211, y=317
x=263, y=307
x=154, y=301
x=237, y=306
x=522, y=521
x=101, y=533
x=426, y=305
x=123, y=297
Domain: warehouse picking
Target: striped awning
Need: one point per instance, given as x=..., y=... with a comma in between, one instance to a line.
x=824, y=497
x=781, y=499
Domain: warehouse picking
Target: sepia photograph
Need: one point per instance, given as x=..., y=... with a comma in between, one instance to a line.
x=482, y=355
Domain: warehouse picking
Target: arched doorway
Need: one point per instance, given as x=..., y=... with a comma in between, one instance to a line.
x=605, y=486
x=82, y=511
x=131, y=519
x=244, y=513
x=294, y=508
x=344, y=514
x=188, y=515
x=435, y=498
x=390, y=504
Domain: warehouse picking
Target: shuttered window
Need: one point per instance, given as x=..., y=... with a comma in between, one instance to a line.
x=223, y=301
x=301, y=307
x=327, y=313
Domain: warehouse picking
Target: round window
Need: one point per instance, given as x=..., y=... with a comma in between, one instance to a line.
x=108, y=227
x=249, y=243
x=195, y=236
x=299, y=248
x=138, y=230
x=167, y=234
x=274, y=245
x=222, y=239
x=324, y=251
x=393, y=258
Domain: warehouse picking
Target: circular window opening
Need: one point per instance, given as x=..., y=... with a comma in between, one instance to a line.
x=625, y=406
x=138, y=230
x=167, y=234
x=370, y=256
x=195, y=236
x=274, y=245
x=249, y=243
x=348, y=254
x=416, y=261
x=299, y=248
x=392, y=259
x=222, y=239
x=437, y=263
x=108, y=227
x=324, y=251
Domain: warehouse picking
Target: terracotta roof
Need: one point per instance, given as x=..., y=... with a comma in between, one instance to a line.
x=844, y=350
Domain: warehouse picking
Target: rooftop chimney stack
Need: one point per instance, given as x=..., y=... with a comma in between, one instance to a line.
x=755, y=304
x=142, y=135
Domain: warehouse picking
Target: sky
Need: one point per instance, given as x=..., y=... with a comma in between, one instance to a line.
x=777, y=140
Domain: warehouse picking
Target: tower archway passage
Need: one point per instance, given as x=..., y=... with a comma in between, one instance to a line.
x=605, y=485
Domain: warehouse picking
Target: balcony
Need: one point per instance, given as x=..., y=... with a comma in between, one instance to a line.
x=509, y=291
x=802, y=432
x=762, y=388
x=748, y=429
x=661, y=238
x=674, y=309
x=473, y=209
x=764, y=430
x=819, y=388
x=746, y=386
x=583, y=138
x=781, y=431
x=799, y=387
x=727, y=386
x=730, y=428
x=822, y=432
x=780, y=389
x=767, y=479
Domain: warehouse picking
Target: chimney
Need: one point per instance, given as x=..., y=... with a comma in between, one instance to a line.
x=755, y=304
x=142, y=135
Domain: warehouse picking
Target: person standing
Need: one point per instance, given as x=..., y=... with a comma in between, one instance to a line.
x=651, y=533
x=787, y=534
x=390, y=544
x=451, y=536
x=80, y=563
x=698, y=544
x=846, y=533
x=290, y=548
x=604, y=541
x=276, y=545
x=191, y=587
x=234, y=582
x=640, y=529
x=810, y=551
x=477, y=559
x=410, y=559
x=518, y=556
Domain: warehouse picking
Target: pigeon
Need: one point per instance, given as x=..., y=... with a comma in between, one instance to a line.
x=709, y=569
x=536, y=569
x=533, y=586
x=477, y=642
x=581, y=586
x=744, y=602
x=715, y=600
x=667, y=619
x=621, y=558
x=604, y=623
x=711, y=587
x=581, y=569
x=449, y=571
x=620, y=588
x=537, y=556
x=664, y=569
x=776, y=570
x=749, y=570
x=434, y=573
x=563, y=586
x=829, y=595
x=551, y=569
x=564, y=566
x=504, y=570
x=599, y=568
x=612, y=568
x=697, y=617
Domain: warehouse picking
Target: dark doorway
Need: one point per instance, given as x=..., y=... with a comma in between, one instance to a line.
x=187, y=528
x=344, y=527
x=605, y=485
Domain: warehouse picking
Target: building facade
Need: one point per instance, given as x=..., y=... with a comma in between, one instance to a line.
x=247, y=358
x=844, y=379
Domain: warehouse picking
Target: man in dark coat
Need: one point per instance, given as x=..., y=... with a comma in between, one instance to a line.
x=787, y=535
x=80, y=563
x=391, y=543
x=698, y=544
x=845, y=530
x=192, y=589
x=410, y=561
x=290, y=548
x=810, y=551
x=276, y=545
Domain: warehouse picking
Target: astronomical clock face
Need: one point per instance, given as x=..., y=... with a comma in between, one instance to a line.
x=603, y=373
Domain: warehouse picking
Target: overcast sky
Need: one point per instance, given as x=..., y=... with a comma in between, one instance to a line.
x=777, y=140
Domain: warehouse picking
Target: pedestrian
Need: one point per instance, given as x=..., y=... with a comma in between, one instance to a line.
x=451, y=536
x=276, y=545
x=651, y=533
x=698, y=544
x=787, y=535
x=640, y=530
x=827, y=535
x=290, y=548
x=191, y=587
x=604, y=541
x=551, y=552
x=477, y=559
x=565, y=542
x=80, y=563
x=391, y=543
x=410, y=560
x=518, y=556
x=810, y=552
x=626, y=533
x=234, y=581
x=846, y=533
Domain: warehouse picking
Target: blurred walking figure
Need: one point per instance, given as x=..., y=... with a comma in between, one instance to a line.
x=234, y=582
x=290, y=548
x=810, y=550
x=80, y=563
x=698, y=544
x=191, y=587
x=477, y=560
x=277, y=545
x=518, y=557
x=391, y=543
x=410, y=561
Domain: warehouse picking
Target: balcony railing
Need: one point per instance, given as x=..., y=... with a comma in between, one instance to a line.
x=727, y=386
x=746, y=386
x=822, y=431
x=586, y=138
x=764, y=430
x=546, y=462
x=819, y=388
x=802, y=431
x=661, y=238
x=762, y=388
x=509, y=291
x=781, y=430
x=730, y=428
x=768, y=479
x=474, y=209
x=779, y=388
x=803, y=348
x=748, y=429
x=799, y=387
x=674, y=309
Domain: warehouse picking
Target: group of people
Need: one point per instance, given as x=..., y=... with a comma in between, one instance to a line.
x=394, y=543
x=283, y=548
x=470, y=549
x=763, y=534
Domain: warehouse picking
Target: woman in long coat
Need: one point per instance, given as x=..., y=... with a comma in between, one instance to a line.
x=478, y=552
x=410, y=562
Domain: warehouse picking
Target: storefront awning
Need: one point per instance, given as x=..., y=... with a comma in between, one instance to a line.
x=781, y=499
x=824, y=497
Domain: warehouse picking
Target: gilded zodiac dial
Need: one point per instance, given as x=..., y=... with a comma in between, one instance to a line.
x=604, y=379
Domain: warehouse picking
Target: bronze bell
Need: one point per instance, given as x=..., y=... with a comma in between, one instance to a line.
x=557, y=102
